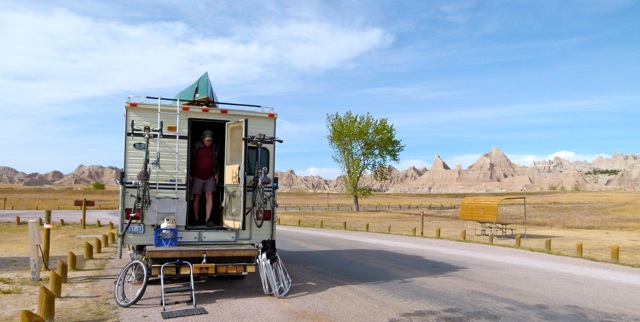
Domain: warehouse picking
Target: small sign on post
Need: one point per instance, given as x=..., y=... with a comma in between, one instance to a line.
x=84, y=203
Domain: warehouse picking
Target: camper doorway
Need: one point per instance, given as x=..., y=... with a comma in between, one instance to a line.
x=196, y=130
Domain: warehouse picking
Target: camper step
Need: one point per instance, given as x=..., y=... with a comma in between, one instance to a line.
x=177, y=289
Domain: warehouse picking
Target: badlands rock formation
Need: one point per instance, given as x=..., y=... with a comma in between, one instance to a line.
x=492, y=172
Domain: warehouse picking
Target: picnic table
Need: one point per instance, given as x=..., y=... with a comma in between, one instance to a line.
x=499, y=229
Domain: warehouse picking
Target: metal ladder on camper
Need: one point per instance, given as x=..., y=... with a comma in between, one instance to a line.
x=172, y=171
x=177, y=289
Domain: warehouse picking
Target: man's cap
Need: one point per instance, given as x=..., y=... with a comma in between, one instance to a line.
x=207, y=135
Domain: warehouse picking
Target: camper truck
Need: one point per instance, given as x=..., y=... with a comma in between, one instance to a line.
x=157, y=211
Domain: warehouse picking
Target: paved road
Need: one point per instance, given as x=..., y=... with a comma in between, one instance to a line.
x=104, y=216
x=355, y=276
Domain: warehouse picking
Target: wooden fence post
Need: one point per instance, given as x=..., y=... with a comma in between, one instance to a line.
x=17, y=220
x=490, y=238
x=46, y=243
x=388, y=229
x=422, y=223
x=83, y=220
x=105, y=242
x=579, y=249
x=62, y=269
x=321, y=223
x=46, y=304
x=518, y=240
x=366, y=227
x=98, y=243
x=463, y=235
x=547, y=244
x=112, y=236
x=55, y=284
x=344, y=225
x=438, y=232
x=71, y=259
x=98, y=223
x=88, y=251
x=615, y=253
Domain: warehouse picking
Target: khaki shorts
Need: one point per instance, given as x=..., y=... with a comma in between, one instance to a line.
x=199, y=185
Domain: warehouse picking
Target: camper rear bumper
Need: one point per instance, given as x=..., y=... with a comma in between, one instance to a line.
x=218, y=259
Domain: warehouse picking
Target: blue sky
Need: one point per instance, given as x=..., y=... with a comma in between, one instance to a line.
x=534, y=78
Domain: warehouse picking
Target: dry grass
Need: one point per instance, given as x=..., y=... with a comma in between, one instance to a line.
x=598, y=220
x=81, y=299
x=59, y=197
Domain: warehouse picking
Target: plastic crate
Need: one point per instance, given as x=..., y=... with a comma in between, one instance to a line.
x=164, y=237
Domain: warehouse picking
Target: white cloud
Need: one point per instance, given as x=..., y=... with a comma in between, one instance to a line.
x=326, y=173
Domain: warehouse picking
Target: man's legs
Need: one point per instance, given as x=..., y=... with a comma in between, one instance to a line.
x=209, y=205
x=196, y=205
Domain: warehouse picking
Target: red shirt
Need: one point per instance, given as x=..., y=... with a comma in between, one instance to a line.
x=203, y=166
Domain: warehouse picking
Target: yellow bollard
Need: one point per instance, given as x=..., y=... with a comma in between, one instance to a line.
x=105, y=242
x=55, y=284
x=547, y=244
x=615, y=253
x=71, y=260
x=88, y=251
x=28, y=316
x=579, y=249
x=98, y=245
x=62, y=270
x=46, y=304
x=518, y=240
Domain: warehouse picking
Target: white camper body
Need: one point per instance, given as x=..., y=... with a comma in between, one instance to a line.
x=229, y=245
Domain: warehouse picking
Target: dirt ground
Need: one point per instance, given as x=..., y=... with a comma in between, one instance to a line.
x=83, y=299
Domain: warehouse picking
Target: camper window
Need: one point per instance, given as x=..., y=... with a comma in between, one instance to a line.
x=252, y=159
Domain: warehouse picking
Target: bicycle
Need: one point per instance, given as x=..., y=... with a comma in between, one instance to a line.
x=262, y=200
x=132, y=280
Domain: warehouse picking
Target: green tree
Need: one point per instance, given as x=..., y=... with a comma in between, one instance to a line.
x=362, y=144
x=98, y=185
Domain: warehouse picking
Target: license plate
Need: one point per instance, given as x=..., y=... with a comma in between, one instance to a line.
x=135, y=229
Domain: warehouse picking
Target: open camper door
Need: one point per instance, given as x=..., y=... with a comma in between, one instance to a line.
x=234, y=206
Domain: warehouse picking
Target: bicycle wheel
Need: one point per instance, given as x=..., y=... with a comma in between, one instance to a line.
x=131, y=283
x=262, y=262
x=279, y=278
x=258, y=211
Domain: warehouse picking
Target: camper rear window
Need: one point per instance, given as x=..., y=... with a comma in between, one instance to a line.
x=252, y=159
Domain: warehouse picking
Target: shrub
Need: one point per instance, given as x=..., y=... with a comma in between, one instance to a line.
x=98, y=186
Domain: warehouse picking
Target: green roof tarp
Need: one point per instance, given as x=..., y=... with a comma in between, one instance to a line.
x=201, y=90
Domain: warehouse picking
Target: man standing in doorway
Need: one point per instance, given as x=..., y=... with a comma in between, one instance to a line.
x=204, y=174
